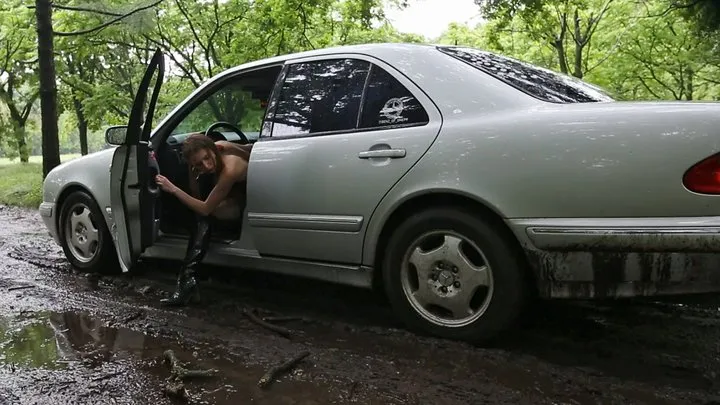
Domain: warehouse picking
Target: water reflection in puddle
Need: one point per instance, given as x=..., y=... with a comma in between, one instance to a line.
x=59, y=341
x=51, y=340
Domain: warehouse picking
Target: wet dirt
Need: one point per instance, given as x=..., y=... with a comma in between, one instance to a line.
x=67, y=337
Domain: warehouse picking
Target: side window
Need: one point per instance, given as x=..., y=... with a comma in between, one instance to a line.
x=320, y=96
x=240, y=101
x=388, y=103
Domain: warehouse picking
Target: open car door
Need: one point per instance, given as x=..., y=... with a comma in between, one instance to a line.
x=133, y=191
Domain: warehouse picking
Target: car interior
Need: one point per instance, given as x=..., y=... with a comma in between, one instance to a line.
x=231, y=111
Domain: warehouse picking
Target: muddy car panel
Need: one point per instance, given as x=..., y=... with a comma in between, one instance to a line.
x=591, y=189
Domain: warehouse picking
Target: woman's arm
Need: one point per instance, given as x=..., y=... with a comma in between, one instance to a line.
x=217, y=195
x=221, y=190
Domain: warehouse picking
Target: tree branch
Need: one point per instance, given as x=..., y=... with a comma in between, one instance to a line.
x=29, y=104
x=648, y=87
x=592, y=26
x=74, y=8
x=107, y=24
x=304, y=21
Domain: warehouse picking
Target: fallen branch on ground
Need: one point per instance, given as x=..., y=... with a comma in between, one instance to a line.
x=277, y=329
x=106, y=376
x=179, y=373
x=22, y=287
x=274, y=372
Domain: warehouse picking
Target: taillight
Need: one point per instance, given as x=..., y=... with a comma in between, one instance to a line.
x=704, y=176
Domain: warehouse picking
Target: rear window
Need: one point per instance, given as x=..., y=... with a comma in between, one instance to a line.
x=536, y=81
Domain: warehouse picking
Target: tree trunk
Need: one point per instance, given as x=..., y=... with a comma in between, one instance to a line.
x=20, y=141
x=82, y=125
x=560, y=47
x=48, y=89
x=579, y=45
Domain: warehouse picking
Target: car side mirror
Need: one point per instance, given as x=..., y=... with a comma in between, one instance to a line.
x=115, y=135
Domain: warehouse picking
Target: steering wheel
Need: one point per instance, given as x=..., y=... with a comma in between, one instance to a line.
x=235, y=129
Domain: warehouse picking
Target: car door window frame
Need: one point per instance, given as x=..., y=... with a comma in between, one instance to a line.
x=422, y=98
x=187, y=106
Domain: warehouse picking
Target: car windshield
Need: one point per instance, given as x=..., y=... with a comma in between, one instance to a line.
x=536, y=81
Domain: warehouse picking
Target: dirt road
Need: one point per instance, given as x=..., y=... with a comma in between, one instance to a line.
x=68, y=338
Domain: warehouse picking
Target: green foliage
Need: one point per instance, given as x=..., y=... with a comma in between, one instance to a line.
x=20, y=184
x=18, y=82
x=703, y=14
x=636, y=50
x=30, y=345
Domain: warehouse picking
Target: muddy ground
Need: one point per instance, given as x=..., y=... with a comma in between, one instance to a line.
x=66, y=338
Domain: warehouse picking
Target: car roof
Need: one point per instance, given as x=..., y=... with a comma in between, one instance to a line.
x=376, y=50
x=369, y=49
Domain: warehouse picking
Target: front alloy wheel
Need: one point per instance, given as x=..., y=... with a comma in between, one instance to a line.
x=81, y=233
x=84, y=235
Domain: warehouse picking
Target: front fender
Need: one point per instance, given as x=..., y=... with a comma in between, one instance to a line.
x=90, y=172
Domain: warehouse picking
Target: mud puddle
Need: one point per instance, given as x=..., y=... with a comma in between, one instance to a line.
x=80, y=356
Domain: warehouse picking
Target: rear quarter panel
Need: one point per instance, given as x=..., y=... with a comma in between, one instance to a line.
x=599, y=160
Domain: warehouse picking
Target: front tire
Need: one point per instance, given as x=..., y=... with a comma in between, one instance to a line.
x=450, y=273
x=84, y=235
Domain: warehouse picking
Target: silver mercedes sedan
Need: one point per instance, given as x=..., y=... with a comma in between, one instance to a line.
x=460, y=182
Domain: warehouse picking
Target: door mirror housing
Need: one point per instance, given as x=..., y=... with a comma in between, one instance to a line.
x=116, y=135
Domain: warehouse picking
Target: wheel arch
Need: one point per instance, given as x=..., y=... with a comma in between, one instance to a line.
x=65, y=193
x=445, y=198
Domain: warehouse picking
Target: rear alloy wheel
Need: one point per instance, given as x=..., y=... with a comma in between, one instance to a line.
x=449, y=273
x=85, y=238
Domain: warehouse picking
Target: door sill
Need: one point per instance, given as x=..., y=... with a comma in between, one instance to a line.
x=222, y=241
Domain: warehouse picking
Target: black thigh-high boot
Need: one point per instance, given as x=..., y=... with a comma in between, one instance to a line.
x=187, y=284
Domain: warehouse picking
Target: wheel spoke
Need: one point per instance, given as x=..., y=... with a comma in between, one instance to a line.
x=459, y=304
x=424, y=294
x=75, y=220
x=466, y=269
x=84, y=248
x=475, y=277
x=84, y=217
x=92, y=235
x=423, y=262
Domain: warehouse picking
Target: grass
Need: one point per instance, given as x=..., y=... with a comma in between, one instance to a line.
x=21, y=183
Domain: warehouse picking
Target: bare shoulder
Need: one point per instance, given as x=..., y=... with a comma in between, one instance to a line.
x=234, y=165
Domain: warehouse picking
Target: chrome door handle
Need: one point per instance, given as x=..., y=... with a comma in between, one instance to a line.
x=382, y=153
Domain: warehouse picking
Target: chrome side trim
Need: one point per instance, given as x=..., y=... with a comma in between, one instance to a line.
x=646, y=239
x=46, y=209
x=625, y=231
x=332, y=223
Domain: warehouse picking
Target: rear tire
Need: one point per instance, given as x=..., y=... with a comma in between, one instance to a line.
x=451, y=274
x=85, y=237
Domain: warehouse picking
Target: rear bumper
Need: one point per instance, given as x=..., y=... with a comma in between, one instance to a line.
x=48, y=213
x=610, y=258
